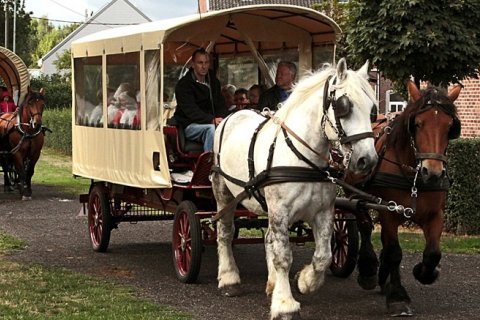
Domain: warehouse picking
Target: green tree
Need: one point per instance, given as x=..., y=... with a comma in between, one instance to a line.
x=436, y=41
x=24, y=30
x=338, y=11
x=48, y=36
x=63, y=61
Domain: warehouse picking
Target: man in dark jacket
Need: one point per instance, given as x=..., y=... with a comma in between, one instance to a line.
x=200, y=104
x=284, y=79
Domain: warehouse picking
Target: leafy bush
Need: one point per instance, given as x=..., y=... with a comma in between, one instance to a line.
x=58, y=90
x=60, y=122
x=463, y=207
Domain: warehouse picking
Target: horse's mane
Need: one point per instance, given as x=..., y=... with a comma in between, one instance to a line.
x=431, y=95
x=312, y=85
x=32, y=95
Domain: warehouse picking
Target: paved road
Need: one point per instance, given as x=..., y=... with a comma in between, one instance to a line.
x=139, y=255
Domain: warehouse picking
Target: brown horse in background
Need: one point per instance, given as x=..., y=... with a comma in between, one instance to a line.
x=22, y=138
x=411, y=172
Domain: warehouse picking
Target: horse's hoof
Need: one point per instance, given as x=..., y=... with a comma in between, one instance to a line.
x=424, y=277
x=367, y=283
x=289, y=316
x=400, y=309
x=25, y=198
x=233, y=290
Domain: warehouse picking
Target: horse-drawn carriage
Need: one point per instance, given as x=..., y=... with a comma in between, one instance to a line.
x=143, y=169
x=137, y=173
x=21, y=131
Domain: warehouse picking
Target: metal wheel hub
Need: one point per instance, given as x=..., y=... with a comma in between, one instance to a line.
x=183, y=243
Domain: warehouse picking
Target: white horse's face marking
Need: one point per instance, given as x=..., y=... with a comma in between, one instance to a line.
x=362, y=97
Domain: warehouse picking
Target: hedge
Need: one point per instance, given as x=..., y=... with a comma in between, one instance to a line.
x=58, y=90
x=462, y=215
x=59, y=120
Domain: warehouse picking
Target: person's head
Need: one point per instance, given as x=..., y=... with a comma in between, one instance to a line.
x=228, y=92
x=285, y=76
x=200, y=63
x=254, y=93
x=241, y=98
x=6, y=96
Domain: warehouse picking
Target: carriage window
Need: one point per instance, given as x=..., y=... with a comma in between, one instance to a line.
x=172, y=72
x=322, y=54
x=88, y=91
x=123, y=76
x=242, y=72
x=152, y=90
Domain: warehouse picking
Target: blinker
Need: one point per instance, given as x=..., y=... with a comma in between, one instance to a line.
x=342, y=106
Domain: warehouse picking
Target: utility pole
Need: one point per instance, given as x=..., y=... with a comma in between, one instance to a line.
x=6, y=25
x=14, y=23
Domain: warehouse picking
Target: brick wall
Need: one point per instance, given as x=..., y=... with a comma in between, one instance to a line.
x=468, y=106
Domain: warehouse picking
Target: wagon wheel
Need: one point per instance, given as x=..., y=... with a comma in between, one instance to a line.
x=187, y=242
x=99, y=218
x=344, y=245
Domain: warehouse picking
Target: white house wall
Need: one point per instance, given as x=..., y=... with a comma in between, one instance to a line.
x=116, y=12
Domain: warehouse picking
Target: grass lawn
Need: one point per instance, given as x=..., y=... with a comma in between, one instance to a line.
x=35, y=292
x=55, y=169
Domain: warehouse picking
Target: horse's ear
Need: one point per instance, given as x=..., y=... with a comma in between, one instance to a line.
x=363, y=71
x=42, y=91
x=454, y=92
x=413, y=91
x=342, y=69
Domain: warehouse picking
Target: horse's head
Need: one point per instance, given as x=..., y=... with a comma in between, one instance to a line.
x=431, y=122
x=32, y=109
x=353, y=107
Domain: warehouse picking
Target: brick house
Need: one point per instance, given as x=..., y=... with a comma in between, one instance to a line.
x=468, y=103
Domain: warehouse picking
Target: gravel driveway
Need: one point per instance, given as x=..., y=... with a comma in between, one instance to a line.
x=140, y=255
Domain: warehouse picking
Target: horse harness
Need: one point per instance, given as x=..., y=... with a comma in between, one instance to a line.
x=382, y=179
x=18, y=126
x=333, y=172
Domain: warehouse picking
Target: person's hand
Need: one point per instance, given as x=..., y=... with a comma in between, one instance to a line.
x=217, y=121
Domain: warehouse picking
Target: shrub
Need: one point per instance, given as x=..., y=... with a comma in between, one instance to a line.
x=58, y=90
x=60, y=122
x=462, y=215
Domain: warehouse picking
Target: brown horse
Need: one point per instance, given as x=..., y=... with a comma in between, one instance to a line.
x=412, y=172
x=22, y=139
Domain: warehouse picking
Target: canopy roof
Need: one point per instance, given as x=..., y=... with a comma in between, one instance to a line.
x=14, y=73
x=275, y=26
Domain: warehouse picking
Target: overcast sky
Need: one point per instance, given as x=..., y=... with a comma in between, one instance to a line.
x=74, y=10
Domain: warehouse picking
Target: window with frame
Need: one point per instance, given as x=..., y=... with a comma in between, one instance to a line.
x=88, y=91
x=123, y=89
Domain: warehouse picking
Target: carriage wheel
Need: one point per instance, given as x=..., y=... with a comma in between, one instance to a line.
x=99, y=219
x=344, y=245
x=187, y=242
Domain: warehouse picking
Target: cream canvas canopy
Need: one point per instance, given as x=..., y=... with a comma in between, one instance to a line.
x=14, y=74
x=125, y=156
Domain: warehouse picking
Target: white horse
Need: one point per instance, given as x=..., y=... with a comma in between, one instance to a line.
x=311, y=197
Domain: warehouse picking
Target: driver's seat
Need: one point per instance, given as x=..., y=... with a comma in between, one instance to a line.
x=182, y=153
